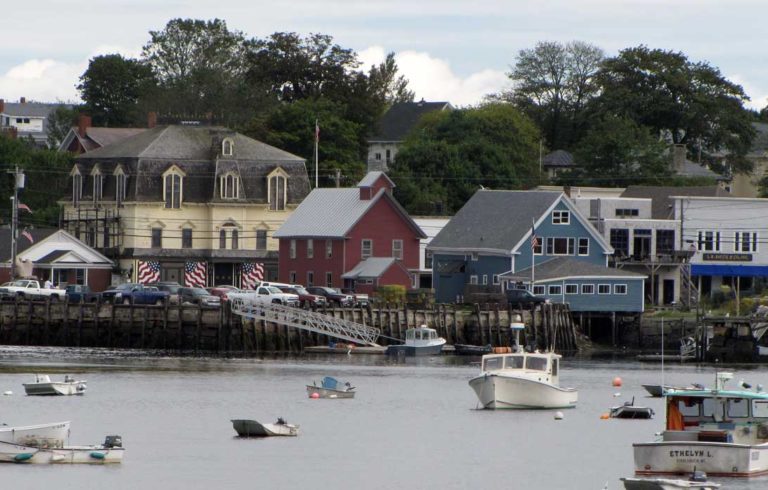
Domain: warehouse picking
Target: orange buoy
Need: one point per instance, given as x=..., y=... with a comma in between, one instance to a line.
x=605, y=416
x=314, y=396
x=617, y=381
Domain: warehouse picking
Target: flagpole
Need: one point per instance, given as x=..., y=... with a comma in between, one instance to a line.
x=533, y=256
x=317, y=140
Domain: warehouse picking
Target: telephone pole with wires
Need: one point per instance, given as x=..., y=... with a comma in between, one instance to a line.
x=18, y=184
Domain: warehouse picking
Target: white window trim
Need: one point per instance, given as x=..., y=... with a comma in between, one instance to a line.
x=603, y=286
x=561, y=217
x=329, y=249
x=121, y=185
x=98, y=184
x=538, y=290
x=485, y=279
x=278, y=172
x=584, y=289
x=574, y=286
x=473, y=279
x=310, y=248
x=738, y=239
x=616, y=289
x=223, y=187
x=568, y=242
x=77, y=190
x=363, y=256
x=397, y=252
x=174, y=170
x=496, y=279
x=701, y=242
x=554, y=290
x=292, y=249
x=224, y=147
x=578, y=247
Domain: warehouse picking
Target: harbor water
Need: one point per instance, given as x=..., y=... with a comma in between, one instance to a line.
x=413, y=423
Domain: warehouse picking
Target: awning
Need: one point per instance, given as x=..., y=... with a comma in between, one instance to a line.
x=729, y=270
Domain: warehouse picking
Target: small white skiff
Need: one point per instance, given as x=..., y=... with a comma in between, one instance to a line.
x=109, y=452
x=44, y=386
x=252, y=428
x=41, y=435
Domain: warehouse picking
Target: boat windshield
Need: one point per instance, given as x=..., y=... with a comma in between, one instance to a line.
x=514, y=362
x=492, y=363
x=536, y=363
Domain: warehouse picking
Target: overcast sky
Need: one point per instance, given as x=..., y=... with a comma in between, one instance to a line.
x=454, y=50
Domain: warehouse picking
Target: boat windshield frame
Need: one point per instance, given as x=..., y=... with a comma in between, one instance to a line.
x=517, y=361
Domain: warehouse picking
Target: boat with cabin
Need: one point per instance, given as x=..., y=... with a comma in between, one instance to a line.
x=419, y=341
x=331, y=388
x=723, y=432
x=44, y=386
x=252, y=428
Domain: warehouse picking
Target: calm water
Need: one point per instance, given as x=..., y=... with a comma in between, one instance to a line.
x=413, y=424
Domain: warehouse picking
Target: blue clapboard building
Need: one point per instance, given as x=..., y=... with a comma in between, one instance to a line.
x=490, y=242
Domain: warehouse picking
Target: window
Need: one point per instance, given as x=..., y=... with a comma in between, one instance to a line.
x=157, y=237
x=397, y=249
x=427, y=259
x=485, y=279
x=186, y=238
x=496, y=279
x=665, y=241
x=603, y=289
x=120, y=188
x=310, y=249
x=222, y=238
x=587, y=289
x=626, y=213
x=561, y=217
x=560, y=246
x=105, y=237
x=328, y=249
x=277, y=193
x=619, y=289
x=292, y=251
x=538, y=245
x=261, y=239
x=709, y=241
x=329, y=279
x=227, y=147
x=389, y=156
x=26, y=120
x=235, y=239
x=377, y=156
x=77, y=188
x=475, y=256
x=292, y=277
x=473, y=279
x=366, y=248
x=571, y=289
x=760, y=408
x=538, y=290
x=229, y=185
x=620, y=241
x=98, y=186
x=310, y=278
x=555, y=289
x=583, y=246
x=745, y=241
x=738, y=407
x=172, y=191
x=18, y=120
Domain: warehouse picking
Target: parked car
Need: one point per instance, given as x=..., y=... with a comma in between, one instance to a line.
x=30, y=289
x=269, y=294
x=172, y=287
x=198, y=296
x=223, y=291
x=524, y=297
x=333, y=296
x=136, y=294
x=80, y=293
x=361, y=299
x=306, y=299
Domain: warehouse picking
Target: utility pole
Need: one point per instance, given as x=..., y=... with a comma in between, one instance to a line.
x=18, y=184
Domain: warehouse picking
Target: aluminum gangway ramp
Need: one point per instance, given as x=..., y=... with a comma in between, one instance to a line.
x=305, y=320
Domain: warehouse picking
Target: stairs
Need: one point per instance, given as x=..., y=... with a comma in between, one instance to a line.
x=689, y=294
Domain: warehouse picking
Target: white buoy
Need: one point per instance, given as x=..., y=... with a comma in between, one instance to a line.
x=616, y=395
x=558, y=415
x=8, y=393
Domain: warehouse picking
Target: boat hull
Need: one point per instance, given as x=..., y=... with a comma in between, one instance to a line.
x=410, y=350
x=21, y=454
x=499, y=392
x=665, y=484
x=41, y=435
x=715, y=459
x=328, y=393
x=252, y=428
x=55, y=388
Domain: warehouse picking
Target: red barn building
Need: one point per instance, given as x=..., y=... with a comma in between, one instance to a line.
x=358, y=238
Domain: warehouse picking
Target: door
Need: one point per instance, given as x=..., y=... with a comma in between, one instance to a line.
x=223, y=274
x=172, y=272
x=669, y=291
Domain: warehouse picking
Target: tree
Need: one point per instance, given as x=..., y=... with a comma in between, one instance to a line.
x=111, y=88
x=450, y=154
x=552, y=84
x=60, y=121
x=688, y=102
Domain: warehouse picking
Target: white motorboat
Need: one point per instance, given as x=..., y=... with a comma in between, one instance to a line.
x=110, y=452
x=252, y=428
x=419, y=341
x=44, y=386
x=331, y=388
x=719, y=431
x=666, y=484
x=41, y=435
x=522, y=380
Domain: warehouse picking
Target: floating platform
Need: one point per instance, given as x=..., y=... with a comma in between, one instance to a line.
x=345, y=349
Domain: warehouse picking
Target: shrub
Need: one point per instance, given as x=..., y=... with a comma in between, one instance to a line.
x=390, y=293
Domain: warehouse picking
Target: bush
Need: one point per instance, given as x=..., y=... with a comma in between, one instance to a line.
x=390, y=293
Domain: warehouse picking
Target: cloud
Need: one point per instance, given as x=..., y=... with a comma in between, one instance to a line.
x=433, y=79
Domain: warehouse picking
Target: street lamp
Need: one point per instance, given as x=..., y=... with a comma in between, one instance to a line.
x=18, y=184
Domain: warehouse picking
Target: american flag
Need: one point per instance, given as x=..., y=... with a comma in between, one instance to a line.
x=24, y=207
x=28, y=236
x=534, y=239
x=317, y=131
x=195, y=274
x=250, y=274
x=148, y=271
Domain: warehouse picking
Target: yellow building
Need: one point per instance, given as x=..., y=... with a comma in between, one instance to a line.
x=192, y=204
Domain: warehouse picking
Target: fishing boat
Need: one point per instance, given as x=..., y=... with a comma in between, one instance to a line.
x=631, y=411
x=657, y=391
x=472, y=350
x=41, y=435
x=252, y=428
x=331, y=388
x=110, y=452
x=720, y=431
x=697, y=480
x=419, y=341
x=44, y=386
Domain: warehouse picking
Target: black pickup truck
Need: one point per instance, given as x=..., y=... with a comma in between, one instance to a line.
x=135, y=294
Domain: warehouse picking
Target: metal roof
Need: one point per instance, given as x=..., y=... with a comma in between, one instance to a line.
x=371, y=267
x=562, y=267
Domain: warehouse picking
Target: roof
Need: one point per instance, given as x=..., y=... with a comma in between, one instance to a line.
x=661, y=207
x=401, y=118
x=558, y=158
x=760, y=141
x=50, y=244
x=494, y=220
x=38, y=234
x=371, y=178
x=30, y=109
x=693, y=169
x=344, y=206
x=371, y=267
x=564, y=267
x=97, y=137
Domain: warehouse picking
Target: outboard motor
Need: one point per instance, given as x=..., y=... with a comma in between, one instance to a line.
x=698, y=476
x=113, y=441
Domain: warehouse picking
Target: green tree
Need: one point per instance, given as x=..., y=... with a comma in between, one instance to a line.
x=111, y=88
x=60, y=121
x=451, y=154
x=691, y=103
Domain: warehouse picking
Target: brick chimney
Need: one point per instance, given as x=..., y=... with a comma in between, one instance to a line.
x=23, y=100
x=678, y=158
x=2, y=105
x=151, y=119
x=567, y=190
x=83, y=123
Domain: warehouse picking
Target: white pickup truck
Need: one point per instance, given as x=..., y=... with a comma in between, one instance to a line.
x=30, y=288
x=268, y=294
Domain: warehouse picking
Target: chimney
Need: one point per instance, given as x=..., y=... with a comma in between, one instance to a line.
x=366, y=193
x=23, y=100
x=2, y=106
x=567, y=190
x=151, y=119
x=678, y=158
x=83, y=123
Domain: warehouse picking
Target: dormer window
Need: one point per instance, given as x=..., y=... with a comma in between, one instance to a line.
x=227, y=147
x=277, y=192
x=77, y=186
x=173, y=187
x=561, y=217
x=98, y=184
x=229, y=184
x=120, y=186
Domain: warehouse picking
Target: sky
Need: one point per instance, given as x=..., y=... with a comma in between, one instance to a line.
x=449, y=50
